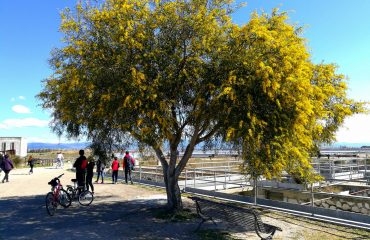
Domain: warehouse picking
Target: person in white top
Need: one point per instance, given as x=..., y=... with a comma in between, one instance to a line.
x=60, y=158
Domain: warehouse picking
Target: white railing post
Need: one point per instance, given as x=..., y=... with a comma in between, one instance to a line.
x=186, y=179
x=194, y=173
x=155, y=174
x=312, y=200
x=255, y=191
x=214, y=178
x=225, y=186
x=140, y=174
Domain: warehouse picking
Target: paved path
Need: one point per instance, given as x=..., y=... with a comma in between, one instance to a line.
x=118, y=212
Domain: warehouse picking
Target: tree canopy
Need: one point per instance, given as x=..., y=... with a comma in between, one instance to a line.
x=165, y=71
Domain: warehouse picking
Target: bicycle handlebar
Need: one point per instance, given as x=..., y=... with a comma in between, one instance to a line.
x=55, y=180
x=60, y=176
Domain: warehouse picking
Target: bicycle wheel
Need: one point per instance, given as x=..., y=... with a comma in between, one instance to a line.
x=51, y=205
x=57, y=165
x=71, y=192
x=85, y=198
x=64, y=198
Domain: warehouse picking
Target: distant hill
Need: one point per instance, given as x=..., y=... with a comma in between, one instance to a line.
x=39, y=145
x=81, y=145
x=346, y=144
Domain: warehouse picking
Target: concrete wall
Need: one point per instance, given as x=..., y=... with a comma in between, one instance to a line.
x=20, y=145
x=346, y=204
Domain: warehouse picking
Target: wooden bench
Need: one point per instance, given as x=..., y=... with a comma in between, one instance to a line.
x=248, y=219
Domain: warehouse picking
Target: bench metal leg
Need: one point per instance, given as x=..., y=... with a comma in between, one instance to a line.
x=199, y=225
x=203, y=221
x=268, y=237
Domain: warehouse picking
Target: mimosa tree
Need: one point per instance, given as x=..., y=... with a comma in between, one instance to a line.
x=165, y=71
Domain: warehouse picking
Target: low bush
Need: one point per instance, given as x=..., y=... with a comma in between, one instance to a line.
x=17, y=160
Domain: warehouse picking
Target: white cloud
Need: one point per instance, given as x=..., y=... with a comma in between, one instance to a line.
x=22, y=98
x=24, y=122
x=20, y=109
x=356, y=129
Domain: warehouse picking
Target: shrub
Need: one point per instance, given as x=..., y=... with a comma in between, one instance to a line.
x=17, y=160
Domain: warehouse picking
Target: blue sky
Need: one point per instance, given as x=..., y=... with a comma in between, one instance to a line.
x=337, y=31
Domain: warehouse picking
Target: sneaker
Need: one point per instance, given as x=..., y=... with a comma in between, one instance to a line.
x=102, y=182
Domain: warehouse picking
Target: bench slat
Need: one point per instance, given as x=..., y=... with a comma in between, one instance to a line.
x=248, y=219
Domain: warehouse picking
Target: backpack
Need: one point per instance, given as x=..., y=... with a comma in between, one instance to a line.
x=83, y=164
x=129, y=162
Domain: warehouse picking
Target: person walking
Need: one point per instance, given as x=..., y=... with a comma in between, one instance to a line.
x=128, y=165
x=115, y=167
x=80, y=165
x=31, y=162
x=100, y=171
x=1, y=161
x=6, y=166
x=90, y=174
x=60, y=159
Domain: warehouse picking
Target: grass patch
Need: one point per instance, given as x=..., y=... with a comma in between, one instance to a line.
x=179, y=216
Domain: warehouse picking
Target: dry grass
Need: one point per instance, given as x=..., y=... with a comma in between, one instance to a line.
x=317, y=230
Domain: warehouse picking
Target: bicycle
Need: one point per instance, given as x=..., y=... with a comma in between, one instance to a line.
x=85, y=197
x=57, y=196
x=58, y=163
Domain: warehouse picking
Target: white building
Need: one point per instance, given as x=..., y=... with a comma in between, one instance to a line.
x=13, y=145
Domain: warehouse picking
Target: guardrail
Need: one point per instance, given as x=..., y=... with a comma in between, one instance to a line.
x=214, y=182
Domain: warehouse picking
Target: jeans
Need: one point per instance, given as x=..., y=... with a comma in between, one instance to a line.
x=89, y=183
x=6, y=177
x=114, y=176
x=80, y=176
x=128, y=172
x=101, y=173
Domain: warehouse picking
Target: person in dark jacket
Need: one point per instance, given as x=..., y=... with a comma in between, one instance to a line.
x=1, y=161
x=128, y=165
x=90, y=174
x=6, y=166
x=31, y=162
x=100, y=170
x=80, y=165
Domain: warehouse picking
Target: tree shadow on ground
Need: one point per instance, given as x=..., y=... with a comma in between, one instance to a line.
x=26, y=218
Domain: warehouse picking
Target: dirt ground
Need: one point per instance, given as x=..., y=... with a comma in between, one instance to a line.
x=121, y=211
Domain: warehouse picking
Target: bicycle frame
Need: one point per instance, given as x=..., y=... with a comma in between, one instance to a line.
x=56, y=191
x=57, y=196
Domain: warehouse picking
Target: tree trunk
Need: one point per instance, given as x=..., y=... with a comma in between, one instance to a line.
x=174, y=202
x=172, y=171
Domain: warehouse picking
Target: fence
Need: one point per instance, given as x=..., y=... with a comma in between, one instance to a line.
x=342, y=168
x=215, y=182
